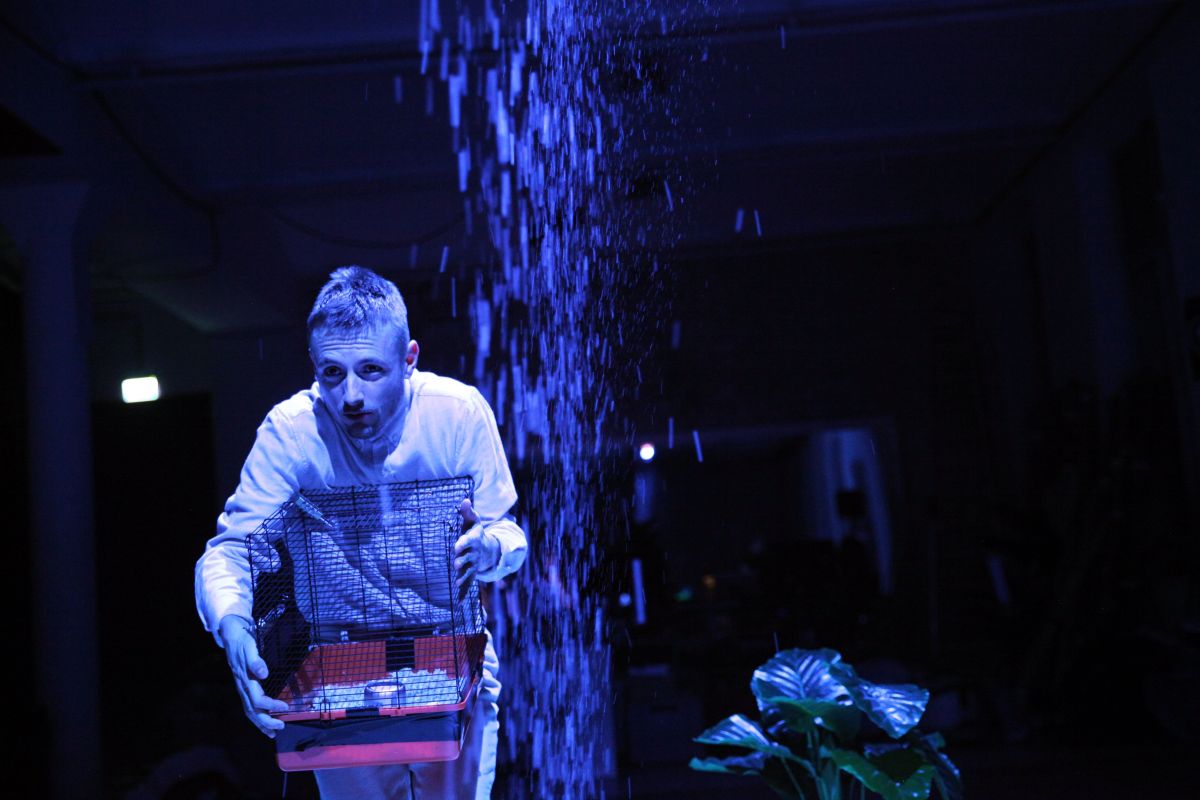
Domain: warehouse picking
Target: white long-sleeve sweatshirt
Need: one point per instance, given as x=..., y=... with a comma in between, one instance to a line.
x=445, y=429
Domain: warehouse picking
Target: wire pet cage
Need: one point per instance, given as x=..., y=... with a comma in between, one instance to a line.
x=366, y=638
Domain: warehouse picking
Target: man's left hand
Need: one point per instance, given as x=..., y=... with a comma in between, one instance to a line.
x=475, y=551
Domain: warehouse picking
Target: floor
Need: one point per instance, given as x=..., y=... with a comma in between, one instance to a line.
x=990, y=772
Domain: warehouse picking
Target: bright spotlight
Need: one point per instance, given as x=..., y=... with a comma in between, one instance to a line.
x=646, y=452
x=139, y=390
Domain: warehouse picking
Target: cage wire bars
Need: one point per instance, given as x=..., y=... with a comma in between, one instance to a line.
x=358, y=618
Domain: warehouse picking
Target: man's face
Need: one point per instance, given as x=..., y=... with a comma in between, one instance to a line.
x=363, y=375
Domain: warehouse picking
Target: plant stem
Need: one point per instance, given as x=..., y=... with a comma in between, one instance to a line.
x=814, y=757
x=792, y=777
x=825, y=791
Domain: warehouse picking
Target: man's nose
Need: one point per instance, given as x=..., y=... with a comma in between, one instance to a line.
x=353, y=396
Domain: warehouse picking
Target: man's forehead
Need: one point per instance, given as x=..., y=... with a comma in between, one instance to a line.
x=383, y=338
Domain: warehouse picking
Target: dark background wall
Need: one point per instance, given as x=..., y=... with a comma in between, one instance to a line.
x=979, y=253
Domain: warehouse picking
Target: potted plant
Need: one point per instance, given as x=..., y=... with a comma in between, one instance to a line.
x=826, y=734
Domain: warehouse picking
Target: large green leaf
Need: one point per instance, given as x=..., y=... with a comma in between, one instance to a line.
x=797, y=687
x=802, y=716
x=897, y=774
x=895, y=708
x=738, y=731
x=948, y=779
x=783, y=776
x=749, y=764
x=799, y=674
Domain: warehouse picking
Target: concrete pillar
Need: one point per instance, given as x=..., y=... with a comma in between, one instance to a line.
x=56, y=306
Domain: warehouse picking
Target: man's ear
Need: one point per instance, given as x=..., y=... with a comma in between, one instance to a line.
x=411, y=354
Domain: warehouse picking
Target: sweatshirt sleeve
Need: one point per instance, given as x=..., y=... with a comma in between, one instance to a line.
x=268, y=479
x=481, y=455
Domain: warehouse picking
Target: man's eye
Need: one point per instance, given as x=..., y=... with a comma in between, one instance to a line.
x=371, y=369
x=331, y=373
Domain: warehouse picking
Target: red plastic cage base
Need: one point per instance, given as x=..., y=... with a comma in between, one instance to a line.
x=374, y=739
x=368, y=755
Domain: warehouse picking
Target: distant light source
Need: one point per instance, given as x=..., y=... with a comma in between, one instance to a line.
x=139, y=390
x=646, y=451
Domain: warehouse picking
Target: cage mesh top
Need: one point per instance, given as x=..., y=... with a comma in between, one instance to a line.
x=355, y=604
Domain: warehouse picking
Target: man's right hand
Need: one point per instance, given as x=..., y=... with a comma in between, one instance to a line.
x=248, y=669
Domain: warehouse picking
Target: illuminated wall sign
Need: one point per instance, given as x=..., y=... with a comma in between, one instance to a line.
x=139, y=390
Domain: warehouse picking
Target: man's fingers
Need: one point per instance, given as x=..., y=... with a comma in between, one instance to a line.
x=263, y=702
x=250, y=663
x=469, y=560
x=463, y=586
x=265, y=722
x=468, y=541
x=248, y=709
x=254, y=703
x=467, y=550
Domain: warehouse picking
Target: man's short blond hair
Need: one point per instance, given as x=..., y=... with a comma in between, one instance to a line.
x=356, y=298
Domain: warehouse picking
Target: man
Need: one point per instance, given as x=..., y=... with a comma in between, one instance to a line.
x=371, y=417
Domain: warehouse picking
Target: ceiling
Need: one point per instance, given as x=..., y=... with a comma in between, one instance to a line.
x=239, y=150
